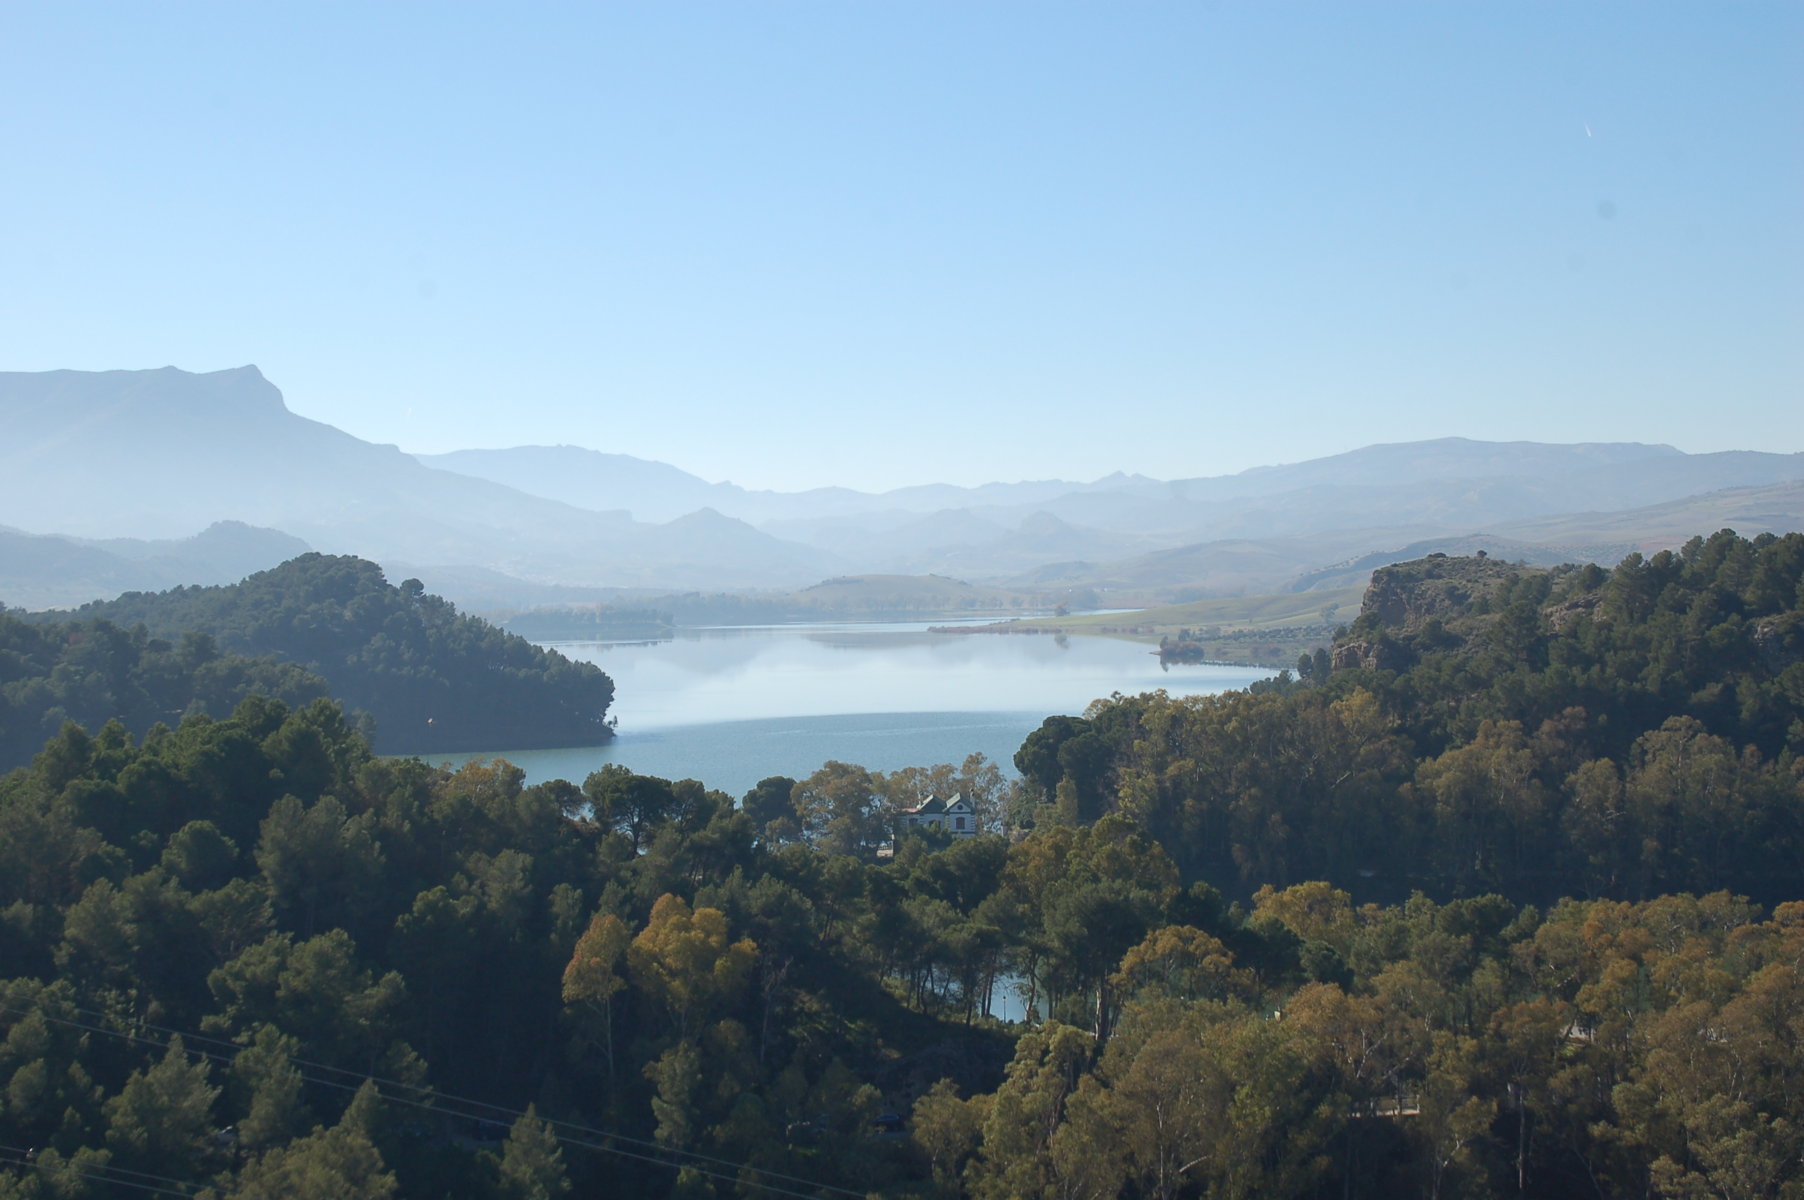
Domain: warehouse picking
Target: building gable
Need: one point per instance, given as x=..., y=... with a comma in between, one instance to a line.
x=955, y=815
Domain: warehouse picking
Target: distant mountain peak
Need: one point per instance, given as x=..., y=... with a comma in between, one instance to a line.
x=247, y=376
x=247, y=371
x=1043, y=522
x=705, y=515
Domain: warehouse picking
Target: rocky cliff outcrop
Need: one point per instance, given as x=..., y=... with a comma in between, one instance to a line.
x=1405, y=596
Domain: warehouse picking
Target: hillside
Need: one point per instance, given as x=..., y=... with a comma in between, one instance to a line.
x=1282, y=611
x=650, y=491
x=1229, y=567
x=656, y=491
x=1483, y=726
x=43, y=571
x=851, y=597
x=429, y=678
x=86, y=449
x=902, y=594
x=1268, y=631
x=1346, y=558
x=1301, y=517
x=1770, y=508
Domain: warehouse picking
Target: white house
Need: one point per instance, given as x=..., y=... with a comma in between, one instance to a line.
x=955, y=816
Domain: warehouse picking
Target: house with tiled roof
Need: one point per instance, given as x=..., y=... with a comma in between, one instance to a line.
x=955, y=816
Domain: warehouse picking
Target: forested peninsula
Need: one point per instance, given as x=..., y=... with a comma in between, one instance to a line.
x=1496, y=898
x=1487, y=727
x=416, y=674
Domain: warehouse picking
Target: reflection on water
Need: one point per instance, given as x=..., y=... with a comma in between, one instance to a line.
x=731, y=706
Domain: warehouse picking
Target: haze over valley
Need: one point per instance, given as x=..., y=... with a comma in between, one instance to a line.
x=131, y=480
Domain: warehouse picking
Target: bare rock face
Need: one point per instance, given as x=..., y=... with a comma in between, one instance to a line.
x=1779, y=641
x=1562, y=616
x=1404, y=595
x=1382, y=655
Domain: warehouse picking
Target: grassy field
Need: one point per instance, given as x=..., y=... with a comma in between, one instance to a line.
x=1259, y=630
x=1286, y=611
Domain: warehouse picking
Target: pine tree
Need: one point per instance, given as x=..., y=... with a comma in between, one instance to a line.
x=532, y=1165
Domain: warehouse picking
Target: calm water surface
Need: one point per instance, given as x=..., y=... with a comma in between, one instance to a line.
x=730, y=706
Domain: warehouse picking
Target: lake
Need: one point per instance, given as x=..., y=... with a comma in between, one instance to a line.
x=731, y=706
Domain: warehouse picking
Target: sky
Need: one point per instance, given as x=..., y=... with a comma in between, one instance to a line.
x=870, y=244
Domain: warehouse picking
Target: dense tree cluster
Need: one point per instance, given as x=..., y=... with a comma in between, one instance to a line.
x=210, y=939
x=1468, y=1049
x=248, y=958
x=848, y=809
x=431, y=678
x=92, y=671
x=1484, y=727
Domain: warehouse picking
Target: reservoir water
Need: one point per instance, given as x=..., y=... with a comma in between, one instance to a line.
x=731, y=706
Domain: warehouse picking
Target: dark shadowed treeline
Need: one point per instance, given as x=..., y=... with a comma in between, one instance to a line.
x=92, y=671
x=431, y=678
x=629, y=956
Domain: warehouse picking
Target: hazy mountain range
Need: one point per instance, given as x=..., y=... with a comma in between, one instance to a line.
x=123, y=467
x=38, y=571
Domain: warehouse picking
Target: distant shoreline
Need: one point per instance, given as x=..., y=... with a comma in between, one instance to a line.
x=1143, y=633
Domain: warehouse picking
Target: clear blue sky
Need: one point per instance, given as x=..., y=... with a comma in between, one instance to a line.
x=873, y=244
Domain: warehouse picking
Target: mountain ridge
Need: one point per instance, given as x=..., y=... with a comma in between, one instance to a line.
x=157, y=454
x=1456, y=484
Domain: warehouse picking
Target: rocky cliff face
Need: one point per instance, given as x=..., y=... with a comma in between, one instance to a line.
x=1404, y=596
x=1779, y=641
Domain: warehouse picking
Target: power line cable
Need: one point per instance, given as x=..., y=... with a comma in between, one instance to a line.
x=102, y=1172
x=360, y=1076
x=665, y=1156
x=612, y=1135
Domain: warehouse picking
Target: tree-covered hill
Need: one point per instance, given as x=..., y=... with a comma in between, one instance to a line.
x=431, y=678
x=1484, y=726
